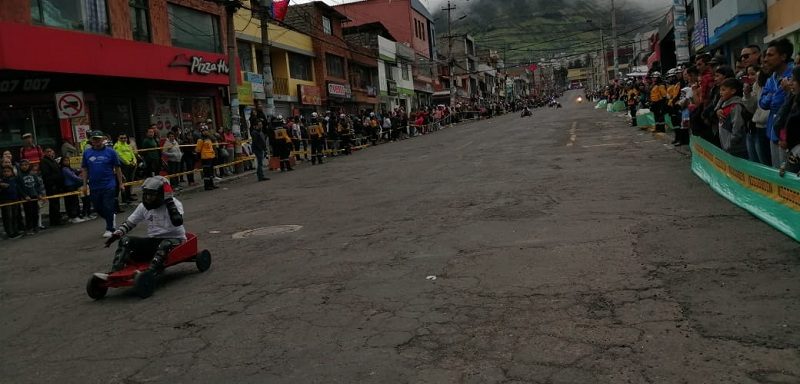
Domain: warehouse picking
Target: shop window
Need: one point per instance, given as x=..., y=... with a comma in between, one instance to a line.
x=164, y=112
x=245, y=56
x=300, y=67
x=198, y=110
x=335, y=65
x=326, y=26
x=116, y=116
x=39, y=120
x=140, y=20
x=194, y=29
x=82, y=15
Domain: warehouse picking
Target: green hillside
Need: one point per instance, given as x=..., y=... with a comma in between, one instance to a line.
x=536, y=29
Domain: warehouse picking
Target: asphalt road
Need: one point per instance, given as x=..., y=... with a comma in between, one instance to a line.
x=567, y=248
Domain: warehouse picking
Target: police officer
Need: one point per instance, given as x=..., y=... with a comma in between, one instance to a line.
x=344, y=128
x=317, y=135
x=283, y=147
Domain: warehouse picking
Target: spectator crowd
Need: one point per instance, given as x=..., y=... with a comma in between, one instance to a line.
x=749, y=108
x=34, y=176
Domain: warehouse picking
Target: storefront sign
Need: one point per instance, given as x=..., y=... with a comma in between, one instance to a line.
x=700, y=34
x=70, y=104
x=25, y=85
x=256, y=81
x=339, y=90
x=199, y=65
x=245, y=94
x=681, y=32
x=309, y=94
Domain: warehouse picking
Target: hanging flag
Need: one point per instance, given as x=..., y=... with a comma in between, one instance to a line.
x=279, y=9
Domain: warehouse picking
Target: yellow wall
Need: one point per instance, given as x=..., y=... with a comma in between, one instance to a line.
x=252, y=27
x=278, y=35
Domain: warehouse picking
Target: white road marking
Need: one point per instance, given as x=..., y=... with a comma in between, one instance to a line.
x=572, y=134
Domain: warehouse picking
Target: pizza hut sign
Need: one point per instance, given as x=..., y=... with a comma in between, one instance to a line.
x=199, y=65
x=339, y=90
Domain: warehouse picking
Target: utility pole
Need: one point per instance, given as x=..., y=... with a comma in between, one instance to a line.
x=266, y=67
x=603, y=61
x=230, y=7
x=614, y=38
x=450, y=63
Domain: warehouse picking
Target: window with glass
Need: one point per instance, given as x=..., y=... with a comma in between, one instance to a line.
x=326, y=26
x=388, y=69
x=404, y=71
x=245, y=55
x=140, y=20
x=194, y=29
x=335, y=65
x=82, y=15
x=300, y=67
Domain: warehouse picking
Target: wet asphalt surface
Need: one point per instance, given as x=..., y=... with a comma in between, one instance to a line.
x=566, y=248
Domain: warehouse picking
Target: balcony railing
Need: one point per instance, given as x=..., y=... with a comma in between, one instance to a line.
x=280, y=86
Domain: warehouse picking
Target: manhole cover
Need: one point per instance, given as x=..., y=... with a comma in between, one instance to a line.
x=267, y=231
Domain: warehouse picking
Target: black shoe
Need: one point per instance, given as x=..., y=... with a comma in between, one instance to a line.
x=290, y=169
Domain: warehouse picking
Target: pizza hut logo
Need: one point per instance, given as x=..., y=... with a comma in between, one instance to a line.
x=199, y=65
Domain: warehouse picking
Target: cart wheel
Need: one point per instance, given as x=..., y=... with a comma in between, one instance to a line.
x=95, y=288
x=144, y=283
x=203, y=260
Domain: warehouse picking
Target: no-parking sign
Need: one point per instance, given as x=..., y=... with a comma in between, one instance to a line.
x=70, y=104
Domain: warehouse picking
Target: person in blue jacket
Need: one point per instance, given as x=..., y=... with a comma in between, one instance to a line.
x=778, y=60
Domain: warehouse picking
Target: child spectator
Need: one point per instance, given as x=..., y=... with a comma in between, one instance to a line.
x=9, y=192
x=72, y=183
x=732, y=121
x=790, y=128
x=31, y=190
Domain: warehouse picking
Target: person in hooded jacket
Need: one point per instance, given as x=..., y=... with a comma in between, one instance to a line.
x=53, y=184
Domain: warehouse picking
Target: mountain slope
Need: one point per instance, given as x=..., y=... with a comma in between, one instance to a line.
x=536, y=29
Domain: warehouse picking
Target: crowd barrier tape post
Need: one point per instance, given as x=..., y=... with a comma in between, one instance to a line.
x=756, y=188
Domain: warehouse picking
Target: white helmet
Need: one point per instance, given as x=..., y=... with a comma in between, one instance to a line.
x=280, y=117
x=314, y=114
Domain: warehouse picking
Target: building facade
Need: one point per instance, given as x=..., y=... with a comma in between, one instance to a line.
x=292, y=59
x=409, y=22
x=109, y=65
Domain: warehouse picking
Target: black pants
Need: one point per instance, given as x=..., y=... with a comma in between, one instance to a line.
x=31, y=208
x=658, y=111
x=316, y=151
x=127, y=171
x=143, y=249
x=208, y=173
x=632, y=109
x=297, y=143
x=54, y=211
x=86, y=202
x=188, y=165
x=71, y=203
x=173, y=167
x=11, y=215
x=153, y=167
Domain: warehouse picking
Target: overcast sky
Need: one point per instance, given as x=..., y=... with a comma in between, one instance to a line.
x=433, y=5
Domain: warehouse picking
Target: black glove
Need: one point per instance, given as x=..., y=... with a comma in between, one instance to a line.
x=175, y=217
x=114, y=237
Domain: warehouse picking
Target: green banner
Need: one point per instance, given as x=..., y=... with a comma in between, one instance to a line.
x=752, y=186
